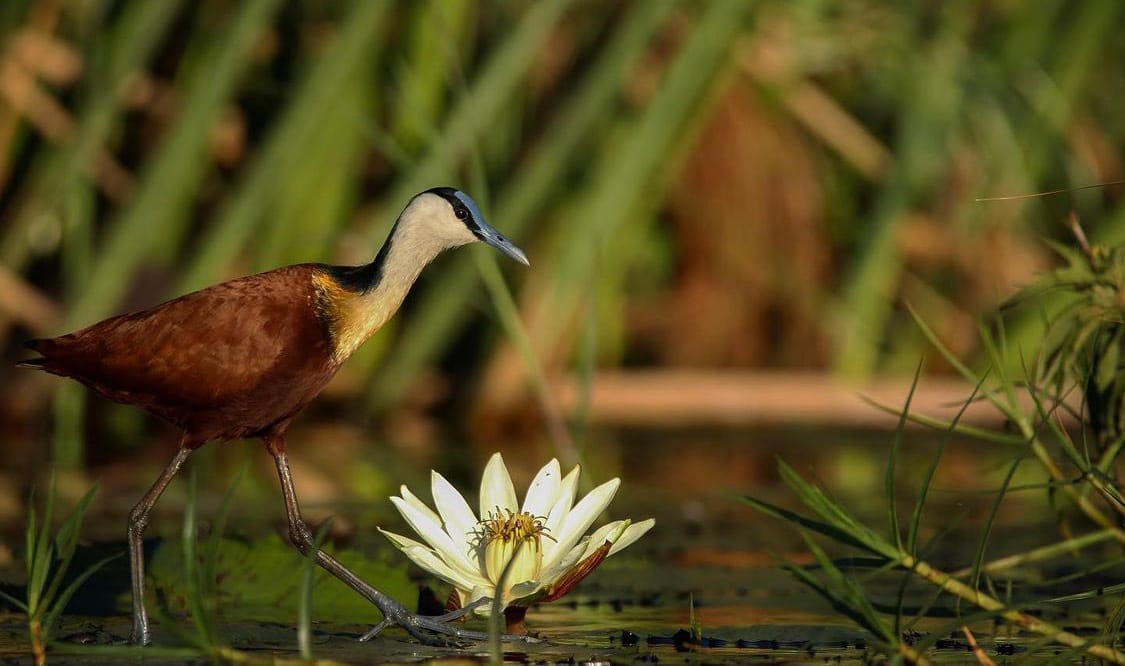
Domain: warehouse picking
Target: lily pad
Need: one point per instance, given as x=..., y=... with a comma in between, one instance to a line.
x=260, y=581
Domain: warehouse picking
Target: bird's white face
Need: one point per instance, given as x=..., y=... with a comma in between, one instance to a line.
x=430, y=216
x=451, y=218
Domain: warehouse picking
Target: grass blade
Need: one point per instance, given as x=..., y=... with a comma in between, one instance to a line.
x=59, y=604
x=440, y=312
x=892, y=468
x=927, y=480
x=120, y=52
x=193, y=583
x=978, y=558
x=304, y=604
x=174, y=172
x=831, y=531
x=218, y=527
x=241, y=213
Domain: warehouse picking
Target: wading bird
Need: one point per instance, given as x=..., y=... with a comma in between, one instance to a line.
x=242, y=358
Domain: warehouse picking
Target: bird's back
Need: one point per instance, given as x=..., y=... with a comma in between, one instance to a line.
x=228, y=361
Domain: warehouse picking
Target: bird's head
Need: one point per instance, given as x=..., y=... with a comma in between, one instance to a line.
x=452, y=217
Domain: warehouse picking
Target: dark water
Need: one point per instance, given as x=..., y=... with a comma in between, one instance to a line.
x=709, y=555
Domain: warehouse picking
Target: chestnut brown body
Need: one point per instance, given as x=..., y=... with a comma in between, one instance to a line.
x=238, y=359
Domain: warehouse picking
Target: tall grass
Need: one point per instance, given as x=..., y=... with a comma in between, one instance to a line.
x=581, y=117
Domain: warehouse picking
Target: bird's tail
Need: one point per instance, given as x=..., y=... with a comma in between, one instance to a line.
x=33, y=362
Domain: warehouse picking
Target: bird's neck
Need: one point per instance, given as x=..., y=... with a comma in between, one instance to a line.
x=378, y=289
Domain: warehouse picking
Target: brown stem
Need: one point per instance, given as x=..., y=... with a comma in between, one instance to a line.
x=977, y=650
x=911, y=655
x=1032, y=624
x=1080, y=236
x=514, y=617
x=38, y=650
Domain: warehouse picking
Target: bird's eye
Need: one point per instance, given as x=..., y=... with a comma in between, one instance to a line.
x=461, y=213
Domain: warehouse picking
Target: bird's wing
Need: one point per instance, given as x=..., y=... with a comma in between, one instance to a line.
x=202, y=349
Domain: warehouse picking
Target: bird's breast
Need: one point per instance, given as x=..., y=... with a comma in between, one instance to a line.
x=350, y=317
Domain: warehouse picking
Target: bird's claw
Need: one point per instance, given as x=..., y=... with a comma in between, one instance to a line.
x=436, y=630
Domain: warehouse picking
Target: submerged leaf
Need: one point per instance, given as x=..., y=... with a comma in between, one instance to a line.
x=261, y=580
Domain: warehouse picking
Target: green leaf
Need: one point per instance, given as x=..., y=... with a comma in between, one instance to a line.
x=806, y=522
x=66, y=539
x=974, y=432
x=1108, y=369
x=260, y=582
x=923, y=492
x=889, y=481
x=843, y=593
x=986, y=533
x=830, y=511
x=58, y=605
x=14, y=601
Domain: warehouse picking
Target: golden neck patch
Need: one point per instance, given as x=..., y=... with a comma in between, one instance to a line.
x=425, y=229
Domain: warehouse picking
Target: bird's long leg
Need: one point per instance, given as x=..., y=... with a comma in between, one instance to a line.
x=138, y=520
x=420, y=627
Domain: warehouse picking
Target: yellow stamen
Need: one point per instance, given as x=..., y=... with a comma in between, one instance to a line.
x=505, y=535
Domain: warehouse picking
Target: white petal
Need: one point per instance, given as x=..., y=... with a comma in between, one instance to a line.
x=480, y=592
x=523, y=590
x=544, y=490
x=567, y=490
x=430, y=561
x=459, y=520
x=579, y=519
x=598, y=538
x=631, y=534
x=412, y=499
x=550, y=575
x=496, y=489
x=428, y=526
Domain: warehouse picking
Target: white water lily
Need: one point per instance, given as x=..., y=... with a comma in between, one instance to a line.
x=545, y=537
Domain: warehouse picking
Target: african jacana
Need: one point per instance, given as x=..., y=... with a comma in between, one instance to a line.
x=242, y=358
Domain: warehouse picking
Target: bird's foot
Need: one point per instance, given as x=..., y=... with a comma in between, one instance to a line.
x=140, y=635
x=437, y=630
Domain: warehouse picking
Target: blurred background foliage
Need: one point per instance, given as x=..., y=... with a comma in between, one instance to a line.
x=715, y=186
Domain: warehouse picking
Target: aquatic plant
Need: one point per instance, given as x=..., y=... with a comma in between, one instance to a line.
x=1081, y=355
x=47, y=561
x=512, y=555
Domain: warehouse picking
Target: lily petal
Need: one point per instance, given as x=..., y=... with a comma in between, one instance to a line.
x=481, y=592
x=430, y=561
x=577, y=573
x=496, y=489
x=564, y=564
x=579, y=520
x=600, y=535
x=428, y=526
x=413, y=500
x=631, y=534
x=568, y=487
x=460, y=523
x=524, y=592
x=543, y=491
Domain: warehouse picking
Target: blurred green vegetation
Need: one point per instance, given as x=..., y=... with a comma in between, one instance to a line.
x=784, y=176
